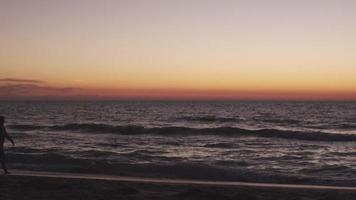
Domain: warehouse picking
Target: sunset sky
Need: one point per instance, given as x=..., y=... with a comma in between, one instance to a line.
x=178, y=49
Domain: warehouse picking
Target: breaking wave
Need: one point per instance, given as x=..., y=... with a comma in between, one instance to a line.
x=168, y=131
x=209, y=119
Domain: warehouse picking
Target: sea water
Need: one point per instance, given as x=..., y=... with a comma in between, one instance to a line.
x=286, y=142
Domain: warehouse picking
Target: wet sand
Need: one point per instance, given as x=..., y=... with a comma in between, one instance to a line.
x=22, y=186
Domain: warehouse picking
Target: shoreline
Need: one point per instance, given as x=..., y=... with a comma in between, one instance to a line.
x=130, y=179
x=25, y=186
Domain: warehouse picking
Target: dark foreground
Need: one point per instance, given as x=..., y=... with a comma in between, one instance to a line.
x=24, y=187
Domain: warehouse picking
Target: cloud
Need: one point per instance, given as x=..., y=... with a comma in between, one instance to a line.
x=29, y=90
x=14, y=80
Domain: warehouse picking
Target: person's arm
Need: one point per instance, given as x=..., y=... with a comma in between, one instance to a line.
x=7, y=136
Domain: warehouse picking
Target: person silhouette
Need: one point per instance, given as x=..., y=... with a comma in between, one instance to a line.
x=3, y=136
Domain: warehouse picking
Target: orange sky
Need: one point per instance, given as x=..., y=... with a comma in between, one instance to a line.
x=178, y=49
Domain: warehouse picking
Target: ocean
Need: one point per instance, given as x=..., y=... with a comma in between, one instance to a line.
x=259, y=141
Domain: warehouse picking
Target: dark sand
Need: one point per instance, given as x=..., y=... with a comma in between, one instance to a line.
x=19, y=187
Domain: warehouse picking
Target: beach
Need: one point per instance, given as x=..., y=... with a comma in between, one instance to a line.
x=42, y=187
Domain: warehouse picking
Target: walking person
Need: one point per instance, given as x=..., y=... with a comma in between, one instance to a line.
x=3, y=136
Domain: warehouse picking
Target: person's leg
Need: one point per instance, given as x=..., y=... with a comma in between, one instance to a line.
x=2, y=159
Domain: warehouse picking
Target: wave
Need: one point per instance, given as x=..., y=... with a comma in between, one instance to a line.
x=185, y=131
x=105, y=128
x=221, y=145
x=209, y=119
x=281, y=121
x=220, y=171
x=343, y=126
x=347, y=126
x=26, y=127
x=61, y=162
x=329, y=169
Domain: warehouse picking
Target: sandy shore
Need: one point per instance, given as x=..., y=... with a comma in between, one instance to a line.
x=28, y=187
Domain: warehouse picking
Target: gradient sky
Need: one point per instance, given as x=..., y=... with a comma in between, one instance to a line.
x=223, y=49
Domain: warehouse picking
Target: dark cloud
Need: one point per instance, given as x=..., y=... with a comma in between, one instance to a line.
x=14, y=80
x=33, y=90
